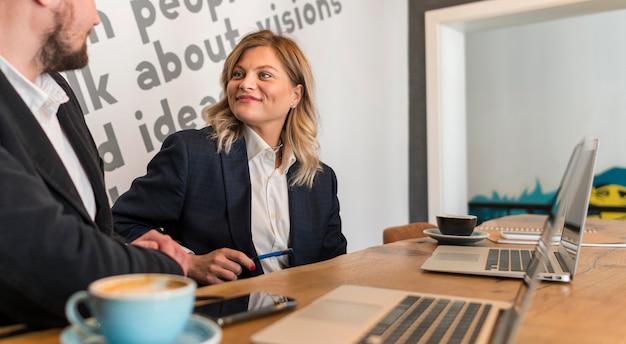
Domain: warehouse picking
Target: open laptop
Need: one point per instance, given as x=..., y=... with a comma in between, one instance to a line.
x=568, y=214
x=358, y=314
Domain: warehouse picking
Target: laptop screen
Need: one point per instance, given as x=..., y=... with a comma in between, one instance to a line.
x=574, y=223
x=568, y=213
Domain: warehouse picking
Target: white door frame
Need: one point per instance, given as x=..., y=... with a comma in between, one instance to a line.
x=445, y=82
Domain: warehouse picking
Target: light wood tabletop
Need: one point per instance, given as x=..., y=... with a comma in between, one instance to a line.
x=590, y=309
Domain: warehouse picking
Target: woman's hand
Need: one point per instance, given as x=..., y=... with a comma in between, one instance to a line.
x=219, y=266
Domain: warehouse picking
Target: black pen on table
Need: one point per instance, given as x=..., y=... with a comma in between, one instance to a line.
x=275, y=254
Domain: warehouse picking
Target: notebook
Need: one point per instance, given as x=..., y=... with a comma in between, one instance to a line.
x=567, y=217
x=359, y=314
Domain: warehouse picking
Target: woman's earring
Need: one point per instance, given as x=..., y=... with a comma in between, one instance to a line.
x=293, y=106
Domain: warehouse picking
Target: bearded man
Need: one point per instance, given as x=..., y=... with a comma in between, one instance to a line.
x=55, y=219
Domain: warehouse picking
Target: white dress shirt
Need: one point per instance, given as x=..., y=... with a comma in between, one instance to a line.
x=44, y=98
x=270, y=199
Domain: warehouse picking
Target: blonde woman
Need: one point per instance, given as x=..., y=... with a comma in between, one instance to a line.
x=251, y=181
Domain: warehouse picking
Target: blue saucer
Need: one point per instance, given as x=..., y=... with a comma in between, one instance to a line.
x=199, y=330
x=475, y=237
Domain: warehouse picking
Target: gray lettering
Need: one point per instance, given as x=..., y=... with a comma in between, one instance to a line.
x=145, y=15
x=99, y=92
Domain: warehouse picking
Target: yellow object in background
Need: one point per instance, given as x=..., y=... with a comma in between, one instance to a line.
x=609, y=195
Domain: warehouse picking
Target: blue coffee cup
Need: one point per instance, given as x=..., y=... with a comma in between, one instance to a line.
x=135, y=308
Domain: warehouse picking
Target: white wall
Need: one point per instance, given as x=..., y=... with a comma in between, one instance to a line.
x=534, y=90
x=515, y=59
x=359, y=55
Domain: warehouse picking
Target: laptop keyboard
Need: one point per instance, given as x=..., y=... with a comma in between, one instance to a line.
x=429, y=320
x=512, y=260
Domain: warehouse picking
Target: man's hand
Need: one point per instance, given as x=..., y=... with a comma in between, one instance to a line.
x=164, y=243
x=219, y=266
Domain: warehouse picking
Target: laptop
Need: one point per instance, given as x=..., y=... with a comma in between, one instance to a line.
x=567, y=218
x=359, y=314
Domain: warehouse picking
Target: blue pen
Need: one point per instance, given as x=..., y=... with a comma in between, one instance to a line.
x=275, y=254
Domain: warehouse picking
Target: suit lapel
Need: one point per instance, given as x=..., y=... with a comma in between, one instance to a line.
x=36, y=143
x=300, y=219
x=238, y=195
x=88, y=158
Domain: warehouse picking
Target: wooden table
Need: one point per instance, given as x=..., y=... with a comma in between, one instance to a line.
x=591, y=309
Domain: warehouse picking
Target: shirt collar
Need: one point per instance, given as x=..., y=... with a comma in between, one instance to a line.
x=255, y=145
x=45, y=94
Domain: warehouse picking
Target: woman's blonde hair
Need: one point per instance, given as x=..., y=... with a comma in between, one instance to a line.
x=300, y=129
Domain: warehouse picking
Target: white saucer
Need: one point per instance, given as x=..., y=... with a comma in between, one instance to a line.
x=475, y=237
x=199, y=330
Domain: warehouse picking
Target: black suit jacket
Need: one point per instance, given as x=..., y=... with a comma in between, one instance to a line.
x=49, y=245
x=203, y=199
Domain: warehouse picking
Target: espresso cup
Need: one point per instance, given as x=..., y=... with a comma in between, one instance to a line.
x=452, y=224
x=135, y=308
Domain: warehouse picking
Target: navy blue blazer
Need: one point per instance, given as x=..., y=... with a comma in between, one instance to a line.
x=202, y=199
x=49, y=245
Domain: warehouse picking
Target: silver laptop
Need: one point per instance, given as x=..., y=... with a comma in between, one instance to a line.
x=357, y=314
x=567, y=217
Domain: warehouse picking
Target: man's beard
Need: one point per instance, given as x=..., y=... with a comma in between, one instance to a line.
x=56, y=56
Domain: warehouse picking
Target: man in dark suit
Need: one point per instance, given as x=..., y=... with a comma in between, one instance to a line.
x=55, y=220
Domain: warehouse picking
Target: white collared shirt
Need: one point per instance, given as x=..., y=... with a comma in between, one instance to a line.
x=270, y=199
x=44, y=98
